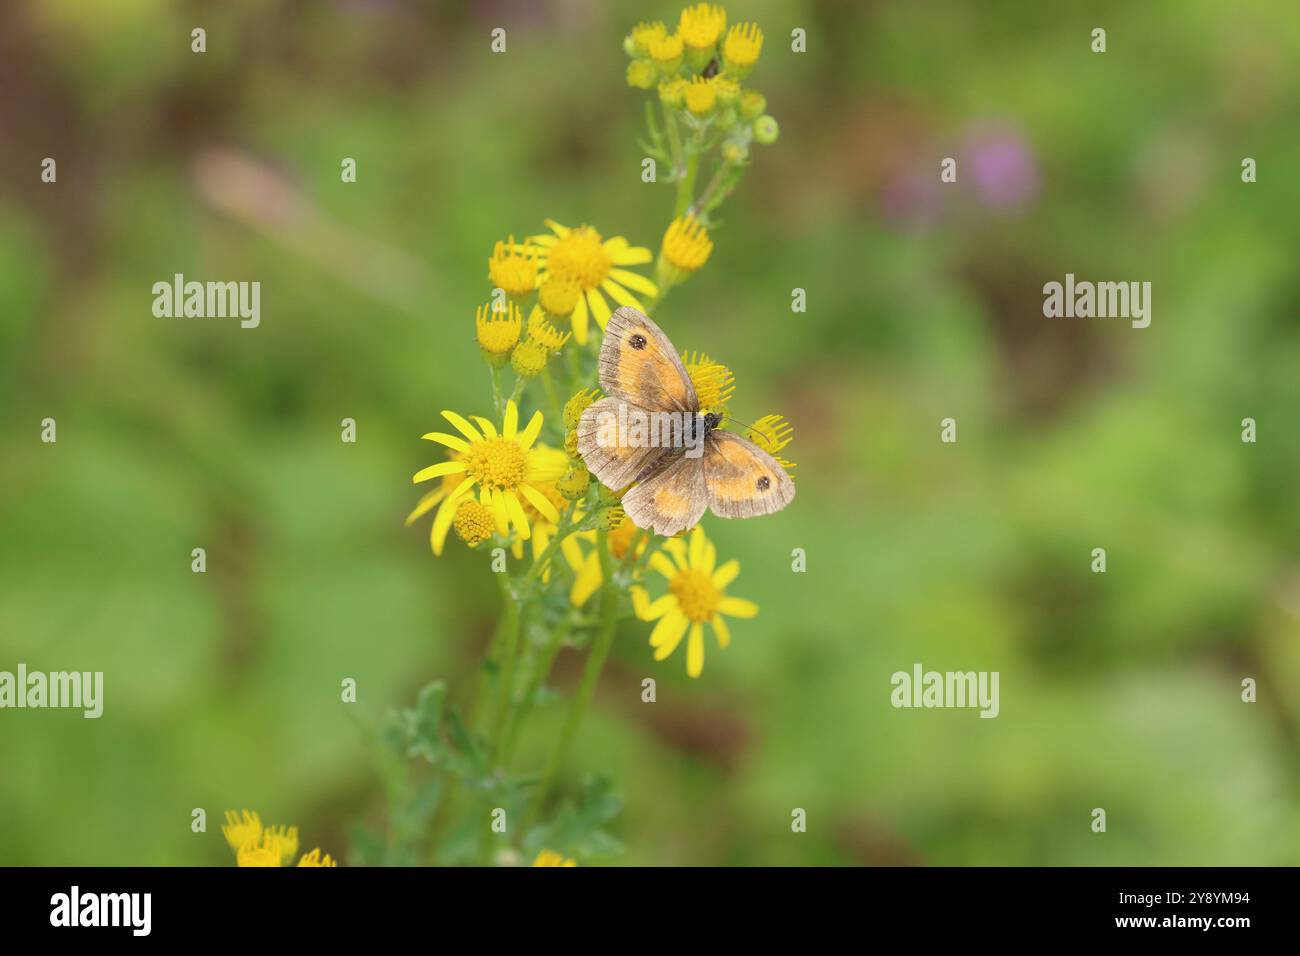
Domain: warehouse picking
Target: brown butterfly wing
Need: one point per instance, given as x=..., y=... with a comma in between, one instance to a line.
x=735, y=471
x=616, y=466
x=650, y=376
x=672, y=497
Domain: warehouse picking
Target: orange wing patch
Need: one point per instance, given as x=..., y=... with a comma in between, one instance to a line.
x=615, y=465
x=671, y=499
x=743, y=480
x=639, y=365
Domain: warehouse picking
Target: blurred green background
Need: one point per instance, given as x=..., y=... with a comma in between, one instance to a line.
x=1119, y=691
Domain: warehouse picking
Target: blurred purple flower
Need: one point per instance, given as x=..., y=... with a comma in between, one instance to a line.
x=1002, y=166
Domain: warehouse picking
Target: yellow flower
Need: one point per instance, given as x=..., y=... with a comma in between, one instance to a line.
x=752, y=104
x=513, y=267
x=505, y=466
x=239, y=830
x=264, y=852
x=772, y=433
x=551, y=858
x=701, y=25
x=696, y=596
x=641, y=74
x=643, y=34
x=578, y=403
x=558, y=296
x=714, y=383
x=581, y=256
x=543, y=527
x=741, y=47
x=686, y=244
x=700, y=96
x=587, y=574
x=448, y=484
x=285, y=839
x=666, y=51
x=529, y=358
x=727, y=89
x=498, y=332
x=315, y=858
x=541, y=331
x=474, y=523
x=673, y=92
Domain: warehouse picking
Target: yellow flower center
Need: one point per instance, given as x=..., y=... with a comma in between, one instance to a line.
x=643, y=34
x=580, y=257
x=696, y=595
x=498, y=332
x=665, y=51
x=529, y=358
x=513, y=267
x=687, y=244
x=473, y=523
x=498, y=462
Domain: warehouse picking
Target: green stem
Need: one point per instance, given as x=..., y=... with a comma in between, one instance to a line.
x=496, y=388
x=541, y=670
x=596, y=658
x=506, y=669
x=686, y=185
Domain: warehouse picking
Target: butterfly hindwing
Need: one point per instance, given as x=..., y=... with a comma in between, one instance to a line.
x=743, y=481
x=615, y=465
x=670, y=499
x=639, y=365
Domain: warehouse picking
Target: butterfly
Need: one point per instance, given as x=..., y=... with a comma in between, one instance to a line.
x=673, y=484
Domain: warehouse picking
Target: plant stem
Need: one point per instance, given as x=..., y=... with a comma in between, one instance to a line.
x=509, y=655
x=496, y=388
x=686, y=185
x=590, y=675
x=541, y=670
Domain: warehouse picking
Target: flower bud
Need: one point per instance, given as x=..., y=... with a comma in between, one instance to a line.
x=765, y=130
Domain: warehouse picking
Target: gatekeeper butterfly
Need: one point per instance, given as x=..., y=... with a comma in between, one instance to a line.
x=673, y=481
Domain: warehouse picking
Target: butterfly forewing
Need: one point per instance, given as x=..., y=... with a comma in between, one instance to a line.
x=639, y=365
x=615, y=465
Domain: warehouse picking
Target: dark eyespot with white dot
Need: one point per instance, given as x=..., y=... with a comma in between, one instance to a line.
x=637, y=341
x=764, y=483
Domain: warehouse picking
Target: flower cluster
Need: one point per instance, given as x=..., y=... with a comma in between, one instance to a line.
x=256, y=845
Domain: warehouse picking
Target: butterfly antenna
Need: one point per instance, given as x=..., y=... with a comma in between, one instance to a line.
x=736, y=421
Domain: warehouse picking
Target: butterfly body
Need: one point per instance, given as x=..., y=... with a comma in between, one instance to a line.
x=701, y=467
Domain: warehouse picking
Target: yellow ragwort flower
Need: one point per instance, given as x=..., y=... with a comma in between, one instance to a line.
x=643, y=34
x=727, y=89
x=474, y=523
x=742, y=46
x=551, y=858
x=714, y=383
x=264, y=852
x=673, y=92
x=558, y=296
x=315, y=858
x=504, y=465
x=686, y=244
x=666, y=51
x=239, y=830
x=595, y=265
x=641, y=74
x=529, y=358
x=696, y=596
x=498, y=332
x=285, y=839
x=543, y=527
x=578, y=403
x=701, y=96
x=772, y=433
x=701, y=25
x=541, y=331
x=513, y=267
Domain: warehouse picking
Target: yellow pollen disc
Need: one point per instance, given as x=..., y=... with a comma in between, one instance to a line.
x=696, y=595
x=498, y=462
x=580, y=257
x=687, y=244
x=473, y=523
x=513, y=267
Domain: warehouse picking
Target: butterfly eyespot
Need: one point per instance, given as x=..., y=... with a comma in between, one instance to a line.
x=764, y=483
x=637, y=341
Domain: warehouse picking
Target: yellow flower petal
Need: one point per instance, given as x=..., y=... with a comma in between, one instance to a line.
x=587, y=580
x=451, y=441
x=555, y=227
x=572, y=553
x=621, y=254
x=721, y=630
x=634, y=281
x=663, y=565
x=737, y=607
x=531, y=432
x=462, y=426
x=579, y=320
x=658, y=608
x=489, y=429
x=425, y=505
x=726, y=574
x=516, y=512
x=600, y=309
x=695, y=651
x=696, y=556
x=540, y=502
x=511, y=423
x=668, y=634
x=438, y=470
x=499, y=512
x=620, y=295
